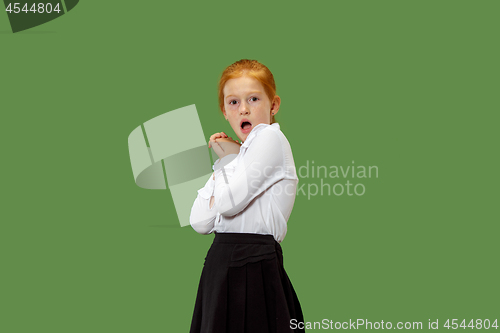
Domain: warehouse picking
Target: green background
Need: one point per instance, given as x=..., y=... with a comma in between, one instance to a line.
x=408, y=86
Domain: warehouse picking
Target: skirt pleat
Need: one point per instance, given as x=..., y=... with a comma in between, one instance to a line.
x=244, y=288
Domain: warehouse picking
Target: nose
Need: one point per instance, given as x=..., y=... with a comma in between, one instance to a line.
x=244, y=108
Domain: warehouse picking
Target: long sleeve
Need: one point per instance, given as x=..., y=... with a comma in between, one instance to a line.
x=203, y=217
x=238, y=184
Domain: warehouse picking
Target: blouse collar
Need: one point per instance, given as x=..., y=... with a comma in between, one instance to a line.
x=255, y=131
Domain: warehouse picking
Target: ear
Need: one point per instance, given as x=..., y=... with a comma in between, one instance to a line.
x=275, y=105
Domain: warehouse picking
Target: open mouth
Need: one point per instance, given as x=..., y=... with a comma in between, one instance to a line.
x=246, y=125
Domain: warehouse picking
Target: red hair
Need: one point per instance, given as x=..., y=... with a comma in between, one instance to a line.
x=253, y=69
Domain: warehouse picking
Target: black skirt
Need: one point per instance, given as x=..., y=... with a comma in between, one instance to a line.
x=244, y=288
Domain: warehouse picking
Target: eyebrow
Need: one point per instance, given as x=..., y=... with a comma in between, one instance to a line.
x=250, y=93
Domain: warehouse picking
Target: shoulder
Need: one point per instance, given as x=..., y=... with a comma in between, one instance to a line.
x=264, y=134
x=271, y=145
x=269, y=140
x=274, y=134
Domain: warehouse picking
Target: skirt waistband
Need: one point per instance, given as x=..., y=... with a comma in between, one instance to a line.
x=244, y=238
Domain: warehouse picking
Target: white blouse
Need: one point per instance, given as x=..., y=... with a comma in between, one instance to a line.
x=254, y=191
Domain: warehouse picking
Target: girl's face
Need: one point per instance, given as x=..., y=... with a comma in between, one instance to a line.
x=246, y=105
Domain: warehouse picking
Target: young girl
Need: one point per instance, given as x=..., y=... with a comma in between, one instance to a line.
x=247, y=202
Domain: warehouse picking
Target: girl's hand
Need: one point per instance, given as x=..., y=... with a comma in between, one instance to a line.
x=214, y=137
x=212, y=143
x=223, y=145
